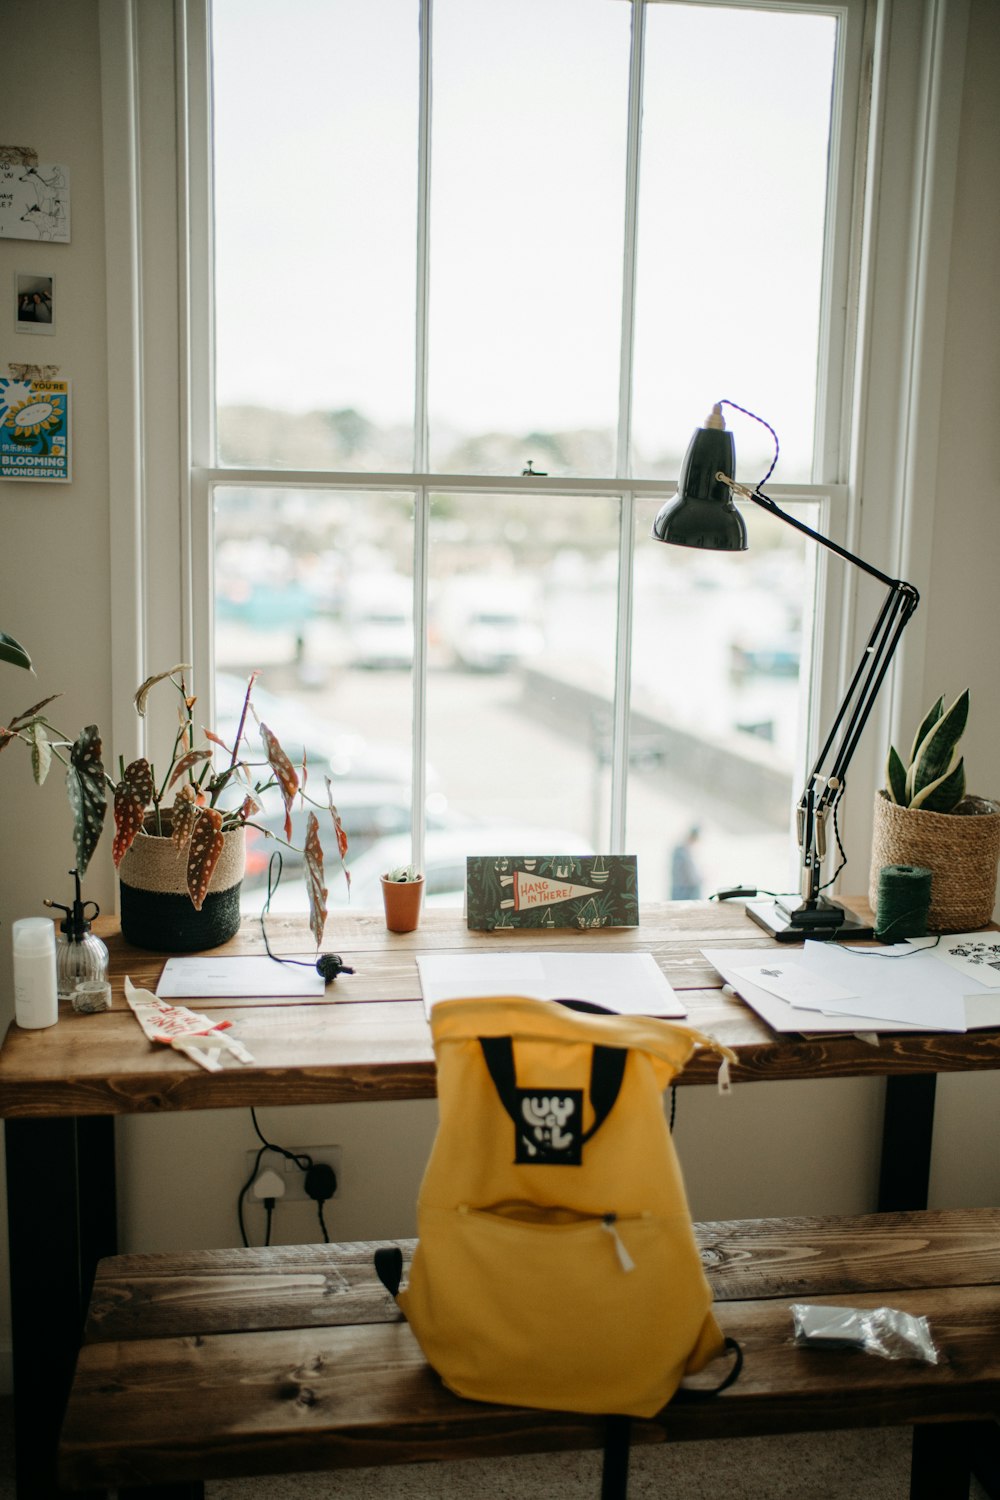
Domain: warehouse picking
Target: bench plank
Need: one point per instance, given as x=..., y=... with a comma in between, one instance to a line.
x=319, y=1398
x=215, y=1291
x=212, y=1364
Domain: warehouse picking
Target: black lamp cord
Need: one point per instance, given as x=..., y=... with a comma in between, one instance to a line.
x=329, y=965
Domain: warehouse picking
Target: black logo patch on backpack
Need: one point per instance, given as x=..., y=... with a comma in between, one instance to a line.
x=549, y=1127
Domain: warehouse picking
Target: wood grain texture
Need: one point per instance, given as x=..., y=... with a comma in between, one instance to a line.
x=301, y=1399
x=185, y=1293
x=368, y=1038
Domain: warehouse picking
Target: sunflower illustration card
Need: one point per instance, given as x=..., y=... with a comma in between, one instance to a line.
x=35, y=430
x=563, y=890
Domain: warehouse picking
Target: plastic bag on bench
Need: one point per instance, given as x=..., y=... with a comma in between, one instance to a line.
x=556, y=1264
x=885, y=1331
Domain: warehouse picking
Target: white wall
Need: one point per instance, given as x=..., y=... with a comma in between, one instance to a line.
x=963, y=601
x=794, y=1148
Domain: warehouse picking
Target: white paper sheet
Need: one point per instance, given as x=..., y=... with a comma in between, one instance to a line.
x=899, y=994
x=629, y=983
x=236, y=979
x=976, y=955
x=792, y=980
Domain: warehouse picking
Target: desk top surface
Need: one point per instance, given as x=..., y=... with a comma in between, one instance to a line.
x=368, y=1038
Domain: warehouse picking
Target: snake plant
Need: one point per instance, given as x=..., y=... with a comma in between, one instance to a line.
x=934, y=780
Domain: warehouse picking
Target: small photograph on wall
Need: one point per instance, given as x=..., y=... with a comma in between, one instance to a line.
x=35, y=430
x=34, y=303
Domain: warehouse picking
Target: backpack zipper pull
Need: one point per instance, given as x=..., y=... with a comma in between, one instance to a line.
x=624, y=1259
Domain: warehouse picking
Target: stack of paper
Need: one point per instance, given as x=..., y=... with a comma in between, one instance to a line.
x=627, y=983
x=926, y=984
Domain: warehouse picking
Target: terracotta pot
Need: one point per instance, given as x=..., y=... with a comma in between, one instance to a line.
x=402, y=900
x=156, y=910
x=961, y=852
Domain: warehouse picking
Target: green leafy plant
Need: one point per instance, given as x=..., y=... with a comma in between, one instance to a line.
x=195, y=798
x=934, y=778
x=401, y=874
x=13, y=651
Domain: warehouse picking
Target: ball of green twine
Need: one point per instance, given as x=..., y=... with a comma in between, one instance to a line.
x=904, y=899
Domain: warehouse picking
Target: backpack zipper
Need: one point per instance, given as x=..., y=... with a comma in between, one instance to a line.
x=609, y=1226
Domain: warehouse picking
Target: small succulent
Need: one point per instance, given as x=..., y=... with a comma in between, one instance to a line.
x=934, y=780
x=401, y=874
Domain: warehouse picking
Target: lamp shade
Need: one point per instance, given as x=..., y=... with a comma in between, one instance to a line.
x=702, y=513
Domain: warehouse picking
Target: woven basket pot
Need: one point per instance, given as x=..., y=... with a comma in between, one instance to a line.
x=960, y=852
x=156, y=910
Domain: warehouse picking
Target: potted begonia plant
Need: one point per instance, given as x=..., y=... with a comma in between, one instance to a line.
x=180, y=824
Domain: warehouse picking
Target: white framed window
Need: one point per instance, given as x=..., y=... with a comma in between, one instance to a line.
x=569, y=287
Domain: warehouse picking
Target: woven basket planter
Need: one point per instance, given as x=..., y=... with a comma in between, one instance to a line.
x=960, y=851
x=156, y=910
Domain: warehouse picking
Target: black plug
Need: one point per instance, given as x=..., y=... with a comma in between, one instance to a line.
x=320, y=1181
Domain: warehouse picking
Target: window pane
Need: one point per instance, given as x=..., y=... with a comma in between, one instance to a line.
x=315, y=116
x=717, y=706
x=527, y=206
x=732, y=193
x=522, y=643
x=314, y=589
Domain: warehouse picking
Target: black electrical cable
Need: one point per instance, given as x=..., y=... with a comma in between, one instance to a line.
x=300, y=1158
x=246, y=1188
x=329, y=965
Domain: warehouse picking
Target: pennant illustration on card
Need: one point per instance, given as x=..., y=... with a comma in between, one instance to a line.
x=539, y=890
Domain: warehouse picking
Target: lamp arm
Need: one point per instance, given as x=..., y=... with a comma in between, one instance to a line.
x=766, y=503
x=823, y=789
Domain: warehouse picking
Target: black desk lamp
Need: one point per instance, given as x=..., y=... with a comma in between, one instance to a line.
x=702, y=514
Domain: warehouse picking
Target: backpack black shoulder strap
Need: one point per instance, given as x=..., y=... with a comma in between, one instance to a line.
x=607, y=1070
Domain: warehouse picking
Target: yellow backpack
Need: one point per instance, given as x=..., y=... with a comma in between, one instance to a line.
x=556, y=1265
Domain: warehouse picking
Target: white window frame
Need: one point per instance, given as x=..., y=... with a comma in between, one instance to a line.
x=876, y=418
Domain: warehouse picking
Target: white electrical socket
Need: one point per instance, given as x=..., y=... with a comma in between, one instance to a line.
x=291, y=1175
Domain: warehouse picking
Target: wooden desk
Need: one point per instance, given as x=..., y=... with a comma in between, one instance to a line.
x=366, y=1040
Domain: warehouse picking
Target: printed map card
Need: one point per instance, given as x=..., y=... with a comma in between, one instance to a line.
x=551, y=890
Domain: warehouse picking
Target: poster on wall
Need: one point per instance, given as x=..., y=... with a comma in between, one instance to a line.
x=35, y=430
x=34, y=201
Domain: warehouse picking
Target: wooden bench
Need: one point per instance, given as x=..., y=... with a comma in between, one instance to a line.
x=224, y=1363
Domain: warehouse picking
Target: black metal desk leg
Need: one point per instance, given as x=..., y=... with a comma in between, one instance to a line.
x=941, y=1466
x=907, y=1135
x=614, y=1474
x=60, y=1221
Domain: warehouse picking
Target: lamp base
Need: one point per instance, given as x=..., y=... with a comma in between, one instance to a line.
x=789, y=919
